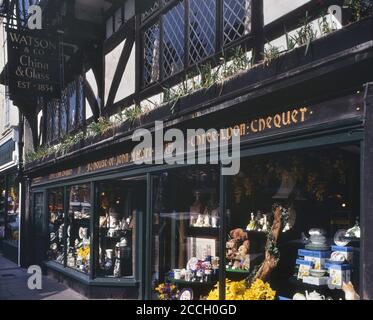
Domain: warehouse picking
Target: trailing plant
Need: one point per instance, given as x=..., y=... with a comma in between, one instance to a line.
x=40, y=153
x=271, y=53
x=239, y=62
x=324, y=25
x=303, y=36
x=359, y=9
x=132, y=114
x=99, y=127
x=209, y=76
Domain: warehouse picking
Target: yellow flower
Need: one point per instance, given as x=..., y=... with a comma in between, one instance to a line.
x=239, y=291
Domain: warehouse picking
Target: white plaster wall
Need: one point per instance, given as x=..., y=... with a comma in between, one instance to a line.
x=274, y=9
x=90, y=77
x=127, y=85
x=111, y=63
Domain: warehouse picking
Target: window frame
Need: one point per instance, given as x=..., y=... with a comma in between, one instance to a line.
x=157, y=17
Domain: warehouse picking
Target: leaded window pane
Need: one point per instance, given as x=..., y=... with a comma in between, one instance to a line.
x=151, y=54
x=237, y=19
x=72, y=105
x=173, y=40
x=202, y=29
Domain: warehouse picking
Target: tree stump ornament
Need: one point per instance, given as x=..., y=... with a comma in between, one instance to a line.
x=271, y=258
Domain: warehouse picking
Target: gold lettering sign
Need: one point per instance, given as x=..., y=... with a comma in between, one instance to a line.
x=261, y=125
x=33, y=63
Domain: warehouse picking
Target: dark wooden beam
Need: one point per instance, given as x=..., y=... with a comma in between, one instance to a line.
x=366, y=290
x=96, y=61
x=124, y=31
x=257, y=12
x=123, y=60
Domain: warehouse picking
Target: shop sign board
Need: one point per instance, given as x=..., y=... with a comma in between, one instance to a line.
x=289, y=121
x=33, y=64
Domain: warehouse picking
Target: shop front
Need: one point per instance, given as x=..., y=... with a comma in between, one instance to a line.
x=9, y=201
x=287, y=223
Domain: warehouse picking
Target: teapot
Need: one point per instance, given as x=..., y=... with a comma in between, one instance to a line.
x=314, y=296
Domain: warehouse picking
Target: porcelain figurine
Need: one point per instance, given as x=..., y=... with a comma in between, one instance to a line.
x=200, y=221
x=206, y=221
x=252, y=225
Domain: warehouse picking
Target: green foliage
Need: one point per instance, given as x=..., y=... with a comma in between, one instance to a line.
x=271, y=53
x=99, y=127
x=132, y=114
x=359, y=9
x=324, y=26
x=238, y=63
x=40, y=153
x=303, y=36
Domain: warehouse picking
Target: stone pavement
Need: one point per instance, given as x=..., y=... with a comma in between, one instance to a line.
x=13, y=285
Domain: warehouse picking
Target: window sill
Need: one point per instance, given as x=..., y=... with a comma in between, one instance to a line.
x=78, y=276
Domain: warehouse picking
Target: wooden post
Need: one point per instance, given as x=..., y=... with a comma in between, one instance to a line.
x=257, y=25
x=366, y=261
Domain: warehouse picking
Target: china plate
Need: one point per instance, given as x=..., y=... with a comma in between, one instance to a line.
x=318, y=273
x=339, y=238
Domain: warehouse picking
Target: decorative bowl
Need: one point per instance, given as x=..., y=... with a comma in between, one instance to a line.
x=318, y=273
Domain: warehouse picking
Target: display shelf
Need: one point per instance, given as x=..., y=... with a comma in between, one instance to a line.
x=203, y=232
x=111, y=238
x=256, y=233
x=192, y=283
x=237, y=271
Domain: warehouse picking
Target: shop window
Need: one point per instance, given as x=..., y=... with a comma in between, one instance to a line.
x=151, y=38
x=293, y=222
x=56, y=120
x=56, y=251
x=237, y=19
x=81, y=101
x=173, y=40
x=49, y=122
x=12, y=210
x=63, y=115
x=79, y=228
x=202, y=25
x=73, y=106
x=68, y=113
x=39, y=212
x=22, y=9
x=121, y=204
x=185, y=243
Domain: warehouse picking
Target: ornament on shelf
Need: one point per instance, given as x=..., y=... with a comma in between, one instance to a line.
x=252, y=225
